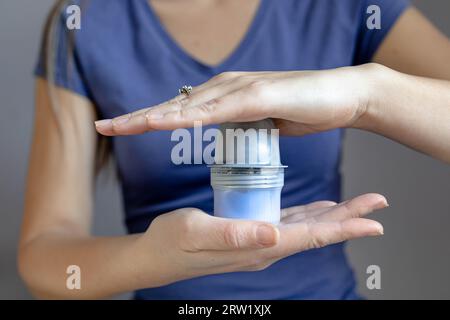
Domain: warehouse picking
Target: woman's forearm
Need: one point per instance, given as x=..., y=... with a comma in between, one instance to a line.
x=412, y=110
x=107, y=265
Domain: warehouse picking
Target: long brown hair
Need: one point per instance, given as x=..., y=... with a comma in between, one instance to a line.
x=49, y=51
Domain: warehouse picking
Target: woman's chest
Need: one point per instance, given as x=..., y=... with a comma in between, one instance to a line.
x=142, y=68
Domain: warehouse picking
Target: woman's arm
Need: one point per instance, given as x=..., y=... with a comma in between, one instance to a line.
x=179, y=245
x=415, y=46
x=412, y=110
x=58, y=207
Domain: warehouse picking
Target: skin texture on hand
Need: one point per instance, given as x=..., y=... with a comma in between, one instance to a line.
x=187, y=243
x=301, y=102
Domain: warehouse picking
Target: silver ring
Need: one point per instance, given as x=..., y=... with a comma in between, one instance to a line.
x=185, y=90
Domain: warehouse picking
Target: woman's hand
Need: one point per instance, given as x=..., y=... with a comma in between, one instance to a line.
x=187, y=242
x=300, y=102
x=411, y=110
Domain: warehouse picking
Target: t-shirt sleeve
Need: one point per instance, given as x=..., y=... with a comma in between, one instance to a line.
x=66, y=65
x=370, y=39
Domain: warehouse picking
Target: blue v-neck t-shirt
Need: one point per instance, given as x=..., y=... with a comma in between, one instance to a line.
x=125, y=60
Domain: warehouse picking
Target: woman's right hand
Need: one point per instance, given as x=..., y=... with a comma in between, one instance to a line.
x=187, y=243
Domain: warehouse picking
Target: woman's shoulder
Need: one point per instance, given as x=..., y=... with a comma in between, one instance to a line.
x=106, y=14
x=334, y=9
x=310, y=6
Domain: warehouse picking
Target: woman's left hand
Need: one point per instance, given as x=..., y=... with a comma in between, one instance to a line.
x=300, y=102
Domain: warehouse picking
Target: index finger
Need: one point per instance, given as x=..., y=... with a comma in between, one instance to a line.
x=136, y=122
x=238, y=105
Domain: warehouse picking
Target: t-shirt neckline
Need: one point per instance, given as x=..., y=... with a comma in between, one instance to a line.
x=229, y=61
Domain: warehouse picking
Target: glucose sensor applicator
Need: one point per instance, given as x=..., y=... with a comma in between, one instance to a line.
x=247, y=176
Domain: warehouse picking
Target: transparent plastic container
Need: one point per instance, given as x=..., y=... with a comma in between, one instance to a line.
x=248, y=186
x=247, y=193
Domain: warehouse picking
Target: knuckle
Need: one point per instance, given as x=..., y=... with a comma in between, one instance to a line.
x=317, y=242
x=116, y=121
x=257, y=87
x=182, y=114
x=245, y=78
x=187, y=221
x=186, y=239
x=209, y=107
x=137, y=113
x=226, y=75
x=158, y=221
x=179, y=102
x=113, y=127
x=147, y=120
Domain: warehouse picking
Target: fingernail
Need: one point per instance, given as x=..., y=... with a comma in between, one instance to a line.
x=382, y=204
x=380, y=231
x=103, y=123
x=122, y=119
x=266, y=235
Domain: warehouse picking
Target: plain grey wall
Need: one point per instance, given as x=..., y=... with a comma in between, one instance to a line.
x=414, y=254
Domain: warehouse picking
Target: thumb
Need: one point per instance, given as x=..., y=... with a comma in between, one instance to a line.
x=232, y=234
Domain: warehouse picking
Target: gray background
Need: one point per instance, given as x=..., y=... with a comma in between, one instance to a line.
x=414, y=254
